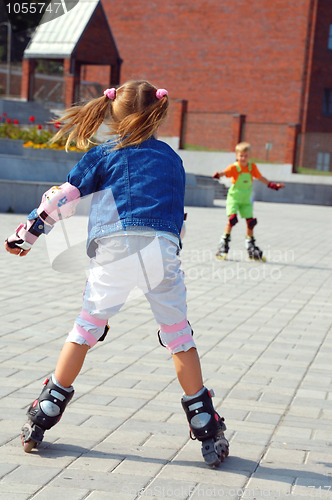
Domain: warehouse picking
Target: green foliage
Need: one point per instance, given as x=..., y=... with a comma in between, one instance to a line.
x=49, y=67
x=34, y=136
x=311, y=171
x=28, y=133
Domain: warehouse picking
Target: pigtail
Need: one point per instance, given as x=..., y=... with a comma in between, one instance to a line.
x=138, y=113
x=81, y=122
x=139, y=127
x=136, y=110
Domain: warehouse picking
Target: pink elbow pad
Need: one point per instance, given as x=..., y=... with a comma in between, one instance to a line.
x=59, y=202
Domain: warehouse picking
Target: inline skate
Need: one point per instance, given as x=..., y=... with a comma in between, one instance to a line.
x=207, y=426
x=223, y=248
x=44, y=413
x=254, y=252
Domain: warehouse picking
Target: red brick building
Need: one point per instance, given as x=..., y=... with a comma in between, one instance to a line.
x=237, y=70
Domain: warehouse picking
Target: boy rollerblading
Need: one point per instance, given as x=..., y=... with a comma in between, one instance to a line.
x=223, y=247
x=239, y=201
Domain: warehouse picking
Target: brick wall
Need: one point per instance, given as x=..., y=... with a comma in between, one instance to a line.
x=310, y=145
x=266, y=60
x=209, y=130
x=222, y=58
x=219, y=56
x=261, y=134
x=319, y=76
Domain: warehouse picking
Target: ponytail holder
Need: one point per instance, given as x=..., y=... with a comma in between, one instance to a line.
x=160, y=93
x=110, y=93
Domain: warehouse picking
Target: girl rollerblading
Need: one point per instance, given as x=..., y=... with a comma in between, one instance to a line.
x=137, y=186
x=44, y=413
x=206, y=426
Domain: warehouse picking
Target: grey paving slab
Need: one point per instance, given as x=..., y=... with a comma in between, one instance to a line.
x=264, y=333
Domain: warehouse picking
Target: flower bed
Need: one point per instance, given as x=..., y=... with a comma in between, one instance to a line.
x=33, y=136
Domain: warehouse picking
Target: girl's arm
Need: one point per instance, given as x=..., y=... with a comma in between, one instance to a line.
x=57, y=203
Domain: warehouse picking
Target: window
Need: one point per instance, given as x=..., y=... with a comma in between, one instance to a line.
x=323, y=161
x=329, y=43
x=327, y=105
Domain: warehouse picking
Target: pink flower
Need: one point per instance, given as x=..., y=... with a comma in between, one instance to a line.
x=39, y=127
x=16, y=122
x=4, y=115
x=32, y=119
x=57, y=124
x=8, y=120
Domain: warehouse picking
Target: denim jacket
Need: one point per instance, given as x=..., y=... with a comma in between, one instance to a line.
x=141, y=186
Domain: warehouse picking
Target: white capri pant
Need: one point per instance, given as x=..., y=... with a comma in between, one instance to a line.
x=130, y=264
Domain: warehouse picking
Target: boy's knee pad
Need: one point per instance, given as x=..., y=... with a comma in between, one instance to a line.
x=233, y=219
x=177, y=338
x=251, y=223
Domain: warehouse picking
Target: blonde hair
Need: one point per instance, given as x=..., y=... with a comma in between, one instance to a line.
x=242, y=147
x=135, y=114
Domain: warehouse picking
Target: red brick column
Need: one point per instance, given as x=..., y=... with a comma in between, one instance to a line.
x=237, y=130
x=71, y=72
x=28, y=68
x=174, y=123
x=291, y=146
x=182, y=106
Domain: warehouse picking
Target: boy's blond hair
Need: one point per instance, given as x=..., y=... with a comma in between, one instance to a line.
x=242, y=147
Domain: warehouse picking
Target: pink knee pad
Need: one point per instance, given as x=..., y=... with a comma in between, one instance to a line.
x=88, y=329
x=176, y=338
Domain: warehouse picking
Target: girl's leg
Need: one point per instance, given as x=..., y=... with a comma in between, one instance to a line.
x=188, y=371
x=70, y=362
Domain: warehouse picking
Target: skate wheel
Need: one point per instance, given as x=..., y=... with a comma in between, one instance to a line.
x=221, y=256
x=263, y=259
x=29, y=445
x=222, y=448
x=31, y=437
x=209, y=453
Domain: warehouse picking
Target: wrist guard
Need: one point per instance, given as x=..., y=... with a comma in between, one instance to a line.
x=26, y=234
x=273, y=185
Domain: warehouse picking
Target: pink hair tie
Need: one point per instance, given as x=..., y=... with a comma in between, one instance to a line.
x=160, y=93
x=110, y=93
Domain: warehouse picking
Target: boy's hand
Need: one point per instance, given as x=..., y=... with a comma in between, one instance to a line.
x=216, y=175
x=15, y=250
x=276, y=185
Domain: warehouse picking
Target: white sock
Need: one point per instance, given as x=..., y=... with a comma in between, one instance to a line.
x=188, y=398
x=68, y=389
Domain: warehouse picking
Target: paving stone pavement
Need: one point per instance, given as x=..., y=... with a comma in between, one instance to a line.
x=264, y=335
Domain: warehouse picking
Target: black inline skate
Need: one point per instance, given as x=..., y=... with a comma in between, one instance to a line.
x=254, y=252
x=44, y=413
x=223, y=248
x=207, y=426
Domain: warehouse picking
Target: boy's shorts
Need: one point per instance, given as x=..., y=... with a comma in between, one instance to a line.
x=244, y=209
